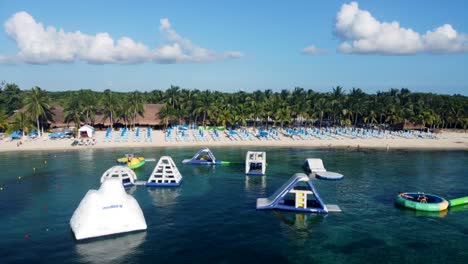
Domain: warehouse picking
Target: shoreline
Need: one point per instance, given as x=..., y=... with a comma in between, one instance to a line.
x=448, y=141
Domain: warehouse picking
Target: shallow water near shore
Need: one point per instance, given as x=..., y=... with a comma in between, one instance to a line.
x=212, y=218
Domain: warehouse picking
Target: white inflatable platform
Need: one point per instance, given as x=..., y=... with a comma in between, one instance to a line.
x=109, y=210
x=315, y=166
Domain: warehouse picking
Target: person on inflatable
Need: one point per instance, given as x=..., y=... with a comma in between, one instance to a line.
x=422, y=199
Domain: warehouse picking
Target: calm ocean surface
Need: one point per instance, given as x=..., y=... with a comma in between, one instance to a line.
x=211, y=218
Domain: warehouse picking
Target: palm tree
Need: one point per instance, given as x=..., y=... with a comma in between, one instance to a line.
x=166, y=114
x=89, y=102
x=22, y=122
x=205, y=106
x=155, y=97
x=109, y=106
x=283, y=114
x=336, y=104
x=321, y=108
x=136, y=105
x=240, y=115
x=172, y=96
x=356, y=97
x=4, y=124
x=37, y=105
x=74, y=110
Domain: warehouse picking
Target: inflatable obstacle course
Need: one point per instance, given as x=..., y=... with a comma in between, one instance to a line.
x=427, y=202
x=255, y=163
x=458, y=201
x=297, y=194
x=124, y=174
x=165, y=174
x=315, y=166
x=109, y=210
x=205, y=157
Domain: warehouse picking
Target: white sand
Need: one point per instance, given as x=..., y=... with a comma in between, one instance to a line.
x=446, y=141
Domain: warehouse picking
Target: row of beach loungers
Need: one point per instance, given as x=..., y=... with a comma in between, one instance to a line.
x=180, y=134
x=190, y=134
x=187, y=134
x=126, y=135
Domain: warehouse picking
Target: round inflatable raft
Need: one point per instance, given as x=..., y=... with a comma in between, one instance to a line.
x=327, y=175
x=133, y=162
x=422, y=201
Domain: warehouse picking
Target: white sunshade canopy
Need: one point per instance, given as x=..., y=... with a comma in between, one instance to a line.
x=88, y=129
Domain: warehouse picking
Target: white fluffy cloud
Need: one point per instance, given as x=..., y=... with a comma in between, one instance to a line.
x=362, y=33
x=38, y=44
x=312, y=50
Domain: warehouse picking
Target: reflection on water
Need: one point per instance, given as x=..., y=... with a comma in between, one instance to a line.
x=410, y=212
x=252, y=182
x=197, y=179
x=202, y=170
x=458, y=208
x=163, y=197
x=298, y=221
x=131, y=190
x=111, y=250
x=299, y=227
x=86, y=155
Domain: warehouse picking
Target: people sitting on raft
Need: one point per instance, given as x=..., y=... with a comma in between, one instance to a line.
x=129, y=157
x=421, y=198
x=404, y=195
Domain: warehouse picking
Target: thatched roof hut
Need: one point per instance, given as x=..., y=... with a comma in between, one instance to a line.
x=58, y=116
x=407, y=125
x=151, y=115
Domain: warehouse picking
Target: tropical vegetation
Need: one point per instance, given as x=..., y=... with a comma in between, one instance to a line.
x=296, y=107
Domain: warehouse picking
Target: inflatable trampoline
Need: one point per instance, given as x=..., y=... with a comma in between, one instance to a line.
x=422, y=201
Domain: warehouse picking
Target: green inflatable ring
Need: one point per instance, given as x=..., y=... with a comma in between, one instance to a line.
x=422, y=201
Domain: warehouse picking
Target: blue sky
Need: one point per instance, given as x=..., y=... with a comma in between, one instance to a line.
x=235, y=45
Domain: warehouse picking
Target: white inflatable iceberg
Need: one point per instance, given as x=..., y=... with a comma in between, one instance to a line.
x=109, y=210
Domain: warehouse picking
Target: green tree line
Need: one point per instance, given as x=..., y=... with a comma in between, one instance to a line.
x=286, y=107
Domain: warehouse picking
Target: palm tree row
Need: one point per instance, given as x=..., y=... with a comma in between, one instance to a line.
x=82, y=107
x=307, y=107
x=297, y=107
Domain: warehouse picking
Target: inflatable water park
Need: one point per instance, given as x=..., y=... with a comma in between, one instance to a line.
x=315, y=167
x=124, y=174
x=297, y=194
x=109, y=210
x=205, y=157
x=255, y=163
x=132, y=161
x=165, y=174
x=420, y=201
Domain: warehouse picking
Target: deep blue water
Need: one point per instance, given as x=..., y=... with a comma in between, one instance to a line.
x=211, y=218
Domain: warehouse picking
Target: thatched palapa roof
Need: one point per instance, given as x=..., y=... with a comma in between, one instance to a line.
x=151, y=115
x=407, y=125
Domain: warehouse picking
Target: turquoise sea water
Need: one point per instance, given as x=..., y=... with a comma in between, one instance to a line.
x=211, y=218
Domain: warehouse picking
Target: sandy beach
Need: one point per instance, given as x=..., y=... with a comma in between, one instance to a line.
x=445, y=141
